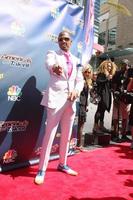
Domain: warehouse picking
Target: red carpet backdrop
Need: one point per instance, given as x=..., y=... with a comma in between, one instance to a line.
x=104, y=174
x=28, y=29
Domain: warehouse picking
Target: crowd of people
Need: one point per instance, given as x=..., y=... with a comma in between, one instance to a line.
x=113, y=86
x=70, y=81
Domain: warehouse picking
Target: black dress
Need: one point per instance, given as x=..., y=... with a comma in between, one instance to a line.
x=104, y=91
x=83, y=103
x=82, y=113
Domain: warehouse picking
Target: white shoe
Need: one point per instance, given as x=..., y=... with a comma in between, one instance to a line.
x=39, y=179
x=131, y=145
x=67, y=170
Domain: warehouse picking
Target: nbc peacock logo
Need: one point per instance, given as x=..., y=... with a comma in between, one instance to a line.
x=10, y=156
x=18, y=28
x=14, y=93
x=55, y=13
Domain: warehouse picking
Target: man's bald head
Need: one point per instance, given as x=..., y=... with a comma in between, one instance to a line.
x=64, y=40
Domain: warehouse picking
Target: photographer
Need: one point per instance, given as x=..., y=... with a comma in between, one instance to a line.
x=120, y=107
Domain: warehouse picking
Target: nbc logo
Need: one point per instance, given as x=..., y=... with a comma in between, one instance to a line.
x=17, y=28
x=55, y=12
x=14, y=93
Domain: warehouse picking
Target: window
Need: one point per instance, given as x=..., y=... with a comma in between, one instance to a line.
x=103, y=1
x=101, y=39
x=112, y=36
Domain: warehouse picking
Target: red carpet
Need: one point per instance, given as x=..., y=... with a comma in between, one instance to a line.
x=104, y=174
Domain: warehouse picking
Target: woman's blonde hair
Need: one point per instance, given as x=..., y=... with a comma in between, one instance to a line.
x=88, y=80
x=104, y=66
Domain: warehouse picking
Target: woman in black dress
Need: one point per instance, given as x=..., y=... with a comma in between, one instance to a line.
x=106, y=71
x=83, y=104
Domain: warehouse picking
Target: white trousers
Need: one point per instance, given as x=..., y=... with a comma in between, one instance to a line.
x=65, y=116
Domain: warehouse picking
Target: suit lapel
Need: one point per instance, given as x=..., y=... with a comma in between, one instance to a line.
x=62, y=61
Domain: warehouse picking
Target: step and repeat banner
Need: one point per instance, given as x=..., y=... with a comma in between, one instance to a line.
x=28, y=28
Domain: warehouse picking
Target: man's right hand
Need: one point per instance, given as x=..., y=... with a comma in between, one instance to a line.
x=57, y=70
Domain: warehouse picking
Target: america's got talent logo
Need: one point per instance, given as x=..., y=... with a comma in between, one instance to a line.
x=16, y=61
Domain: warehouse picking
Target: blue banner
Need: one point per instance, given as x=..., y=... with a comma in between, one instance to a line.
x=28, y=29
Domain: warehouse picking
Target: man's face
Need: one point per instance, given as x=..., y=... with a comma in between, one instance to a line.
x=124, y=67
x=64, y=41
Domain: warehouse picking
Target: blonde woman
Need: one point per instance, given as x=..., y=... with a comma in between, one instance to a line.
x=83, y=104
x=106, y=71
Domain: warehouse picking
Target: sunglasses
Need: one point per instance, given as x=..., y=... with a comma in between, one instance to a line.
x=64, y=39
x=87, y=72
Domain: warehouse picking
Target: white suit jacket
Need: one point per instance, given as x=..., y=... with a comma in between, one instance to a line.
x=59, y=86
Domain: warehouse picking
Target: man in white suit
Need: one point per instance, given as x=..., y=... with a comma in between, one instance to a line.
x=65, y=84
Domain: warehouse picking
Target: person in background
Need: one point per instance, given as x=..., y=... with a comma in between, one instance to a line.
x=94, y=76
x=65, y=84
x=94, y=97
x=106, y=71
x=83, y=105
x=120, y=108
x=130, y=89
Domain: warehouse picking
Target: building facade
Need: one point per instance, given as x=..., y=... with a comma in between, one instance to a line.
x=96, y=19
x=115, y=31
